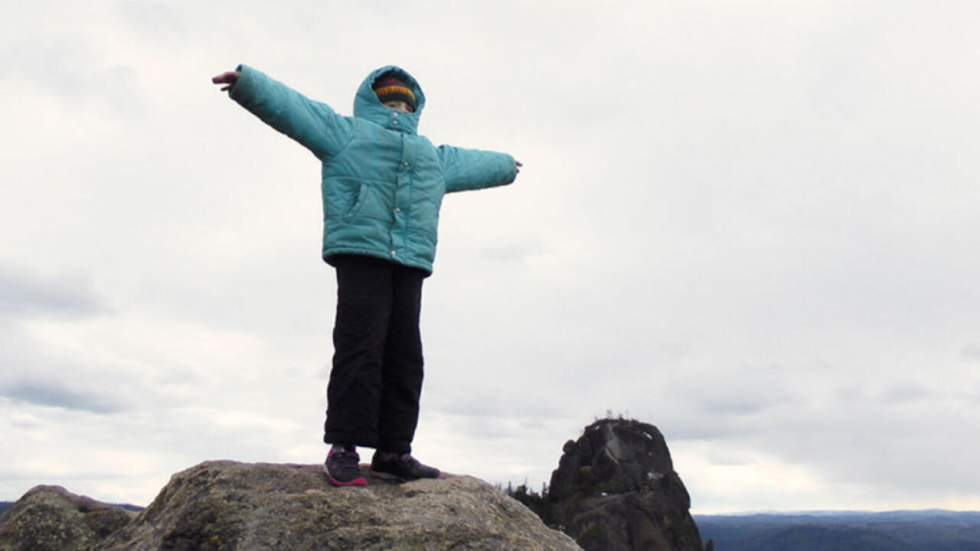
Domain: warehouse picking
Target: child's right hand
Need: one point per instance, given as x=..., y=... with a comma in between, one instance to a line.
x=229, y=78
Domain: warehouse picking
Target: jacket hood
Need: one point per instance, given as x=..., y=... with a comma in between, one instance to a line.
x=368, y=106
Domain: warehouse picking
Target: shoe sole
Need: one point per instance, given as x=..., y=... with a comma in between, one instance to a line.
x=357, y=482
x=395, y=477
x=388, y=476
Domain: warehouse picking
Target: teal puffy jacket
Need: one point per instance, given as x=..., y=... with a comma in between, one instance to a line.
x=382, y=183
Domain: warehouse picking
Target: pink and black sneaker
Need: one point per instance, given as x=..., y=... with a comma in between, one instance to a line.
x=342, y=468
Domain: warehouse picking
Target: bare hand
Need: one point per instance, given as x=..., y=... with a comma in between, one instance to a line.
x=229, y=78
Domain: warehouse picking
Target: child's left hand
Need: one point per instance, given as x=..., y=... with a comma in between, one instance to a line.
x=228, y=78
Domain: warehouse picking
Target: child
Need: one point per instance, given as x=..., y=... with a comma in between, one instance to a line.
x=382, y=186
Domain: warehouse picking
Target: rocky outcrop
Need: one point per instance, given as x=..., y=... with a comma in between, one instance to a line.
x=224, y=505
x=50, y=518
x=615, y=489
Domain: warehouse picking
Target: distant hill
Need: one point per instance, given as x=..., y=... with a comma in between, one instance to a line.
x=128, y=507
x=844, y=531
x=4, y=505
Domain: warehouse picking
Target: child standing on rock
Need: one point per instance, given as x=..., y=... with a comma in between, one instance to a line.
x=382, y=186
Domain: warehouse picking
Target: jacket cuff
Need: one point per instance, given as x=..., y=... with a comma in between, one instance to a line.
x=510, y=170
x=244, y=88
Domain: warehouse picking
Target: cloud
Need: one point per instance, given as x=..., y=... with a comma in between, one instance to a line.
x=497, y=402
x=904, y=392
x=971, y=351
x=516, y=250
x=72, y=70
x=156, y=18
x=744, y=390
x=62, y=396
x=28, y=295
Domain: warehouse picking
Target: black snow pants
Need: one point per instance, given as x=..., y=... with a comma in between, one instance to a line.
x=376, y=379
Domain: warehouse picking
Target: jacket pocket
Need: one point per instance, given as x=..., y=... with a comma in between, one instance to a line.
x=358, y=204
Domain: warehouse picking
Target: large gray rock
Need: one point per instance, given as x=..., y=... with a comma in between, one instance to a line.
x=615, y=489
x=50, y=518
x=223, y=505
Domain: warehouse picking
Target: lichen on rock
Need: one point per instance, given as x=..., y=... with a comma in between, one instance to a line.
x=50, y=518
x=224, y=505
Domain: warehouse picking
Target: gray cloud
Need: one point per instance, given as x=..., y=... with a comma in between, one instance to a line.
x=518, y=250
x=505, y=402
x=69, y=68
x=159, y=19
x=23, y=294
x=735, y=405
x=971, y=352
x=923, y=445
x=745, y=390
x=903, y=392
x=62, y=396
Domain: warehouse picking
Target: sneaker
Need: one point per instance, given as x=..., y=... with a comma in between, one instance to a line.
x=400, y=467
x=342, y=468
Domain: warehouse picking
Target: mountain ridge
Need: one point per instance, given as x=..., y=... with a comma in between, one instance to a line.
x=899, y=530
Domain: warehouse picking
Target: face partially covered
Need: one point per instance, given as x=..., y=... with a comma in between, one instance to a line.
x=386, y=84
x=394, y=93
x=398, y=105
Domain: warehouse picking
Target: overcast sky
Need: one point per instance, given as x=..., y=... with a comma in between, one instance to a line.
x=753, y=224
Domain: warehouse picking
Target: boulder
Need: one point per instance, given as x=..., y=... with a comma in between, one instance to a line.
x=615, y=489
x=224, y=505
x=50, y=518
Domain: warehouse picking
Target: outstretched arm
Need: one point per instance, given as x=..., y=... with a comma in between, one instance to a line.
x=466, y=169
x=311, y=123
